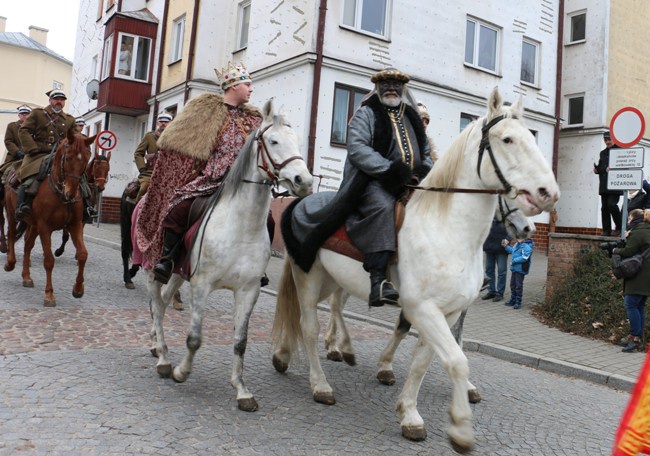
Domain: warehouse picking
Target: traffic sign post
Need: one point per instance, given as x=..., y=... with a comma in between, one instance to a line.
x=106, y=140
x=625, y=165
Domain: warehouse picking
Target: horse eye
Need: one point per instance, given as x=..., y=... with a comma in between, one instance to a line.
x=507, y=140
x=273, y=142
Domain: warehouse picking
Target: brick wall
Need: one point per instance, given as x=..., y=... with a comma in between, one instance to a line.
x=563, y=251
x=110, y=212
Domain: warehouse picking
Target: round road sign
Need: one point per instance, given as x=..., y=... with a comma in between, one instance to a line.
x=627, y=127
x=106, y=140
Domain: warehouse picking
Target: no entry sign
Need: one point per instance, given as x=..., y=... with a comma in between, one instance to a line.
x=627, y=127
x=106, y=140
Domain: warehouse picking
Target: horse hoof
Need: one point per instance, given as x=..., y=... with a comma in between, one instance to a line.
x=58, y=253
x=3, y=248
x=177, y=305
x=9, y=267
x=28, y=283
x=415, y=433
x=178, y=376
x=473, y=396
x=386, y=377
x=335, y=356
x=458, y=448
x=325, y=398
x=130, y=285
x=76, y=294
x=280, y=365
x=349, y=359
x=247, y=405
x=49, y=303
x=164, y=370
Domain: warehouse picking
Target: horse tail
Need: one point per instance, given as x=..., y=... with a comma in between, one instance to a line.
x=286, y=332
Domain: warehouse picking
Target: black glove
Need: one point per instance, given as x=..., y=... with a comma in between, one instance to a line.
x=143, y=169
x=19, y=155
x=421, y=171
x=395, y=178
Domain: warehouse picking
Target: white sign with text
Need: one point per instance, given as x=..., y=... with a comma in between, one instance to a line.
x=626, y=158
x=624, y=179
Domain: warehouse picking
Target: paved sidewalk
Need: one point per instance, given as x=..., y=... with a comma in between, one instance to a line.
x=492, y=328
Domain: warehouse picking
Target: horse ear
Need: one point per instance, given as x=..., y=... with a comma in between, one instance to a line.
x=70, y=135
x=108, y=156
x=267, y=110
x=517, y=108
x=494, y=102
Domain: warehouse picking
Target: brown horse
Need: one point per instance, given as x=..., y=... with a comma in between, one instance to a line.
x=57, y=205
x=97, y=174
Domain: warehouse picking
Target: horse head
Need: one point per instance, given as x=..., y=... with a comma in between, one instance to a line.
x=73, y=154
x=517, y=224
x=279, y=157
x=99, y=169
x=510, y=158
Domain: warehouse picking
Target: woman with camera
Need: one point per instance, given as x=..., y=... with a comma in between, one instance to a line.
x=636, y=289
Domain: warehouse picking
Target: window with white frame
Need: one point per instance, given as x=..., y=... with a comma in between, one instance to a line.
x=482, y=45
x=57, y=85
x=133, y=57
x=530, y=61
x=575, y=108
x=108, y=56
x=466, y=119
x=243, y=24
x=578, y=29
x=369, y=16
x=178, y=33
x=346, y=100
x=93, y=67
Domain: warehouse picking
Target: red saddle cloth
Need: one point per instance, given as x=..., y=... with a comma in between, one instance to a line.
x=341, y=243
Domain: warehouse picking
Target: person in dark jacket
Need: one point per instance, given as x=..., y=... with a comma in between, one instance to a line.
x=496, y=256
x=608, y=198
x=521, y=253
x=636, y=289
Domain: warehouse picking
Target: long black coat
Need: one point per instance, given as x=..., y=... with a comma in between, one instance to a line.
x=601, y=168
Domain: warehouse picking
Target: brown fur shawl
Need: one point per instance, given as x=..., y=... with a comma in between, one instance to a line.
x=195, y=130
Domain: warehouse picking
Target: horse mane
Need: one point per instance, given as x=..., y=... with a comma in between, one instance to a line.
x=444, y=173
x=239, y=169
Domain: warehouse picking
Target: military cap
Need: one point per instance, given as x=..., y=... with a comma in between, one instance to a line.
x=56, y=93
x=164, y=117
x=80, y=121
x=24, y=109
x=606, y=135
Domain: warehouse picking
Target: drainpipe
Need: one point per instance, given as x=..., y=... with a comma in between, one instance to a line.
x=190, y=58
x=315, y=93
x=558, y=104
x=163, y=32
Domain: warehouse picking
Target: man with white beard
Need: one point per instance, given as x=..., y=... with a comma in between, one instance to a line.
x=387, y=144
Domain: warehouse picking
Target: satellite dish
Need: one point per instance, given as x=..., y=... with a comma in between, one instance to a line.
x=92, y=89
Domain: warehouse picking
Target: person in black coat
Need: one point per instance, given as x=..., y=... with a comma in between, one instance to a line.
x=608, y=198
x=496, y=256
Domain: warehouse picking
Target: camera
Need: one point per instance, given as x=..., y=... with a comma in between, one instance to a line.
x=611, y=245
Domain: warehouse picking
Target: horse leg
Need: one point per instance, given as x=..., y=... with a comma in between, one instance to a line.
x=10, y=262
x=81, y=254
x=157, y=306
x=385, y=373
x=3, y=239
x=346, y=352
x=245, y=299
x=29, y=239
x=457, y=331
x=199, y=295
x=64, y=240
x=48, y=263
x=434, y=334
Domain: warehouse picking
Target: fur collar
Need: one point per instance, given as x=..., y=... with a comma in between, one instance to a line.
x=194, y=131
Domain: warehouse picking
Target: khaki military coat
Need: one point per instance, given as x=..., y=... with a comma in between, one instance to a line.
x=38, y=134
x=148, y=147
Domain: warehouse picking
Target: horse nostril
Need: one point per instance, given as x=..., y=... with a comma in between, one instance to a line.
x=527, y=229
x=543, y=193
x=298, y=180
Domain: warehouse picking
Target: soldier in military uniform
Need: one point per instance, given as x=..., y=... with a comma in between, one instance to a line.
x=145, y=155
x=39, y=134
x=12, y=142
x=79, y=125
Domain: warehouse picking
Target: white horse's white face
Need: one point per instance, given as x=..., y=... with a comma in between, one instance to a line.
x=284, y=150
x=519, y=159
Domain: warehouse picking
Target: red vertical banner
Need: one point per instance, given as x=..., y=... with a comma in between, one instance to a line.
x=633, y=436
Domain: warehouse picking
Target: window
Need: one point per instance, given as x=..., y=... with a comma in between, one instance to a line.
x=481, y=45
x=578, y=27
x=466, y=119
x=178, y=32
x=93, y=67
x=529, y=65
x=244, y=22
x=100, y=8
x=134, y=55
x=108, y=56
x=366, y=15
x=576, y=109
x=57, y=85
x=109, y=4
x=346, y=100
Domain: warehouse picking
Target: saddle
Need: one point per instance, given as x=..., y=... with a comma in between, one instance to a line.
x=341, y=243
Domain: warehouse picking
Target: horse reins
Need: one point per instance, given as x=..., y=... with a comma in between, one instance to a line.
x=483, y=146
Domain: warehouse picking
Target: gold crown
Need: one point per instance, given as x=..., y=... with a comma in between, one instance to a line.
x=233, y=75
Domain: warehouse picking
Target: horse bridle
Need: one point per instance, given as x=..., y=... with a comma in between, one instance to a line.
x=483, y=146
x=99, y=159
x=57, y=187
x=273, y=172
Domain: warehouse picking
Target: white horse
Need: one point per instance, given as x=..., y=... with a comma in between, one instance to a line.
x=233, y=247
x=440, y=270
x=338, y=342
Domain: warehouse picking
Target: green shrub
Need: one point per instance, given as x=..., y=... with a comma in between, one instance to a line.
x=589, y=301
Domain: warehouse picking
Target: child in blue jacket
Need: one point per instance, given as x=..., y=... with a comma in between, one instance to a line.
x=521, y=254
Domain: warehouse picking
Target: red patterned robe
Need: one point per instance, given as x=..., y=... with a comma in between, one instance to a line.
x=191, y=168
